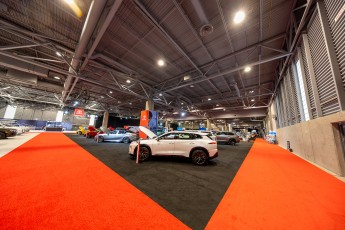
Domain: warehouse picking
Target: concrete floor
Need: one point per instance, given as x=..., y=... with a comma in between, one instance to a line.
x=8, y=144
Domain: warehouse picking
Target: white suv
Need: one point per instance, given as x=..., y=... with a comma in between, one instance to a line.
x=194, y=145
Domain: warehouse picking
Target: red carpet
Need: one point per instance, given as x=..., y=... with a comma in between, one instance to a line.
x=275, y=189
x=52, y=183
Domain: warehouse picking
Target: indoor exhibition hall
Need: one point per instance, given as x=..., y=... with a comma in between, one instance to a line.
x=172, y=114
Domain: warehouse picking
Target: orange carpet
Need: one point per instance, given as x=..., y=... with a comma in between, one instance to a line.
x=274, y=189
x=52, y=183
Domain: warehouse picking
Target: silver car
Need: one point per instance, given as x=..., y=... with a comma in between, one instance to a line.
x=117, y=136
x=227, y=137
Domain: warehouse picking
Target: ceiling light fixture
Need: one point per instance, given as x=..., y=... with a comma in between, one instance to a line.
x=217, y=104
x=57, y=77
x=252, y=100
x=247, y=69
x=209, y=99
x=251, y=91
x=110, y=91
x=58, y=53
x=160, y=94
x=161, y=62
x=192, y=86
x=183, y=114
x=239, y=17
x=128, y=81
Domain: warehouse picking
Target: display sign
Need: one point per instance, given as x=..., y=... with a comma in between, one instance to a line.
x=148, y=119
x=144, y=121
x=79, y=112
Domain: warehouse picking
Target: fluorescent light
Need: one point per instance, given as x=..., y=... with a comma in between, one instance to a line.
x=161, y=62
x=247, y=69
x=239, y=17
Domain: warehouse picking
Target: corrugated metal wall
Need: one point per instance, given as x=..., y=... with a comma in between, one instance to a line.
x=309, y=86
x=320, y=82
x=337, y=25
x=322, y=68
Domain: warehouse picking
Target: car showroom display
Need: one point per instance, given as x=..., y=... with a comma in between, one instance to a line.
x=119, y=135
x=197, y=146
x=227, y=138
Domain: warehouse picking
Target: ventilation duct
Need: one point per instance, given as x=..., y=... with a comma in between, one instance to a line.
x=21, y=77
x=22, y=66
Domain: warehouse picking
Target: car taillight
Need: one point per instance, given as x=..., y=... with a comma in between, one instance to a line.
x=212, y=143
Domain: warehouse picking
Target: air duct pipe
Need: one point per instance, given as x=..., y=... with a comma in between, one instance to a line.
x=91, y=21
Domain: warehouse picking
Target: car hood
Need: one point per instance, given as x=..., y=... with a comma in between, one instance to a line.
x=148, y=132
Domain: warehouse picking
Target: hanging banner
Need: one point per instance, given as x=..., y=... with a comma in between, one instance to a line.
x=79, y=112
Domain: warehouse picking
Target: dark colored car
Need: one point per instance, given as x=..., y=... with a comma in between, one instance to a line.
x=5, y=132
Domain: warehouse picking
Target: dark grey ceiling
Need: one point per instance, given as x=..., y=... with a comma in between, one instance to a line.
x=126, y=40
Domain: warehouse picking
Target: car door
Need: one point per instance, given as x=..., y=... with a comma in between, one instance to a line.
x=164, y=145
x=221, y=137
x=111, y=136
x=184, y=142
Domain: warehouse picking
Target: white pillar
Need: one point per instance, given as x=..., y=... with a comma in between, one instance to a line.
x=149, y=105
x=105, y=120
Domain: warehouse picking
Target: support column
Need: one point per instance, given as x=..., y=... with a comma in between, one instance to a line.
x=208, y=124
x=149, y=105
x=105, y=121
x=331, y=54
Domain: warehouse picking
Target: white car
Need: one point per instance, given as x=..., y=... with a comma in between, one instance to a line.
x=199, y=147
x=19, y=129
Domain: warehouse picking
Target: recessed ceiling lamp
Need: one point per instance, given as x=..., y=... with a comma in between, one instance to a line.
x=160, y=94
x=181, y=103
x=58, y=53
x=110, y=91
x=252, y=100
x=57, y=77
x=186, y=78
x=239, y=17
x=209, y=99
x=74, y=7
x=247, y=69
x=161, y=62
x=128, y=81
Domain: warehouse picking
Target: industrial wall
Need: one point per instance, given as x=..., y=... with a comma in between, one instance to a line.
x=310, y=100
x=42, y=115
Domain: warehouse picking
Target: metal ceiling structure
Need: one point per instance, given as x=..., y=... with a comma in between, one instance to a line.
x=105, y=57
